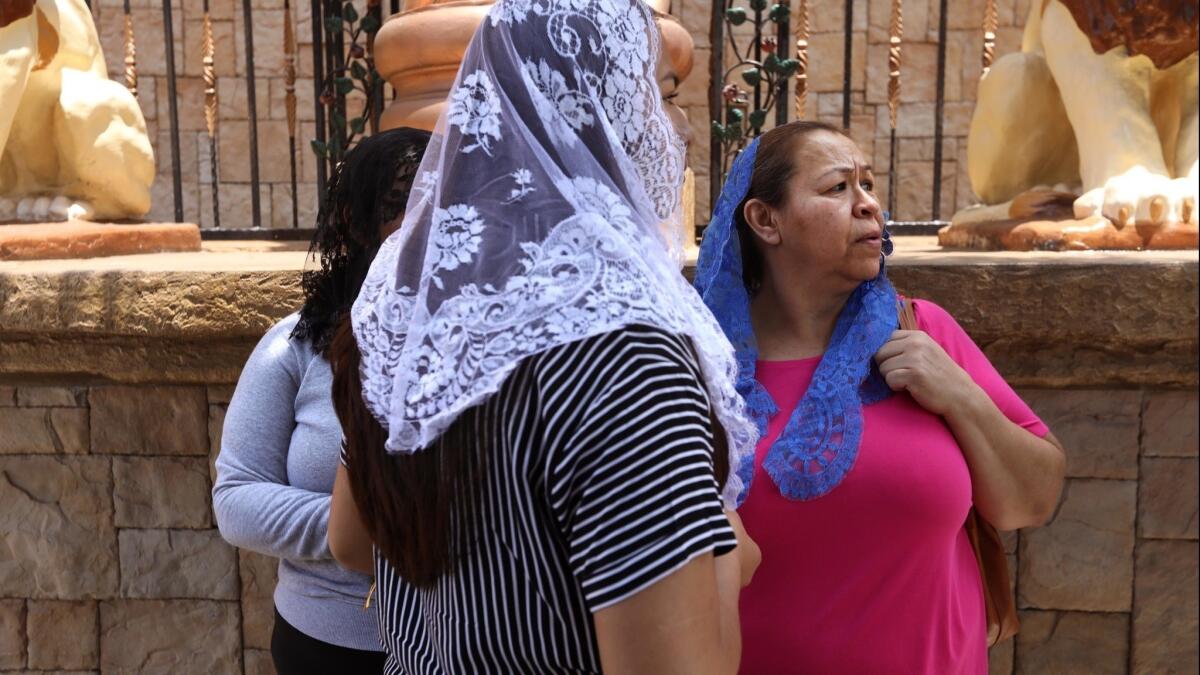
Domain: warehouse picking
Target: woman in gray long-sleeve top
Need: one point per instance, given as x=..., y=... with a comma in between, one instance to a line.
x=281, y=442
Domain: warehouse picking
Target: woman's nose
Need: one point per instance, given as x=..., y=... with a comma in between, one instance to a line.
x=868, y=207
x=683, y=126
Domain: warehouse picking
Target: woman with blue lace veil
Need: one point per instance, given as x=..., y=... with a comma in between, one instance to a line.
x=536, y=403
x=874, y=442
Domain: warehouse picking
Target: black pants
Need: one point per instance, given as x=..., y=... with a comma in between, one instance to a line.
x=295, y=653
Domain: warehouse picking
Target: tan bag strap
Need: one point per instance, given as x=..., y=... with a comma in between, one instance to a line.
x=904, y=310
x=999, y=603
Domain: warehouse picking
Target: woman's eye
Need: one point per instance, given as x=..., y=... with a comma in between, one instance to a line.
x=869, y=186
x=840, y=187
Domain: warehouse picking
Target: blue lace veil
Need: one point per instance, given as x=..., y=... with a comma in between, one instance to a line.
x=819, y=444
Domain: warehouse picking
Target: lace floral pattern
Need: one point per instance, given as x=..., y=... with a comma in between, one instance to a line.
x=819, y=444
x=547, y=235
x=564, y=111
x=475, y=108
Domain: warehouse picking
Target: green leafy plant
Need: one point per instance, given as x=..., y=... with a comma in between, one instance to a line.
x=762, y=70
x=354, y=70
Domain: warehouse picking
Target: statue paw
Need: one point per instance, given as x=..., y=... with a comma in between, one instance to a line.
x=44, y=208
x=1139, y=197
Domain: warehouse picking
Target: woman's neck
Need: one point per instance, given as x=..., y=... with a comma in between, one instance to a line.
x=796, y=324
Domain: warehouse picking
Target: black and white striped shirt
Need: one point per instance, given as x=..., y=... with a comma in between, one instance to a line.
x=601, y=483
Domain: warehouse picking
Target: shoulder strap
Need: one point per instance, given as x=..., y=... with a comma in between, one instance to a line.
x=904, y=310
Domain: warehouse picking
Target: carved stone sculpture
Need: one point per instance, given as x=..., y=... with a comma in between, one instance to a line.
x=1088, y=137
x=73, y=143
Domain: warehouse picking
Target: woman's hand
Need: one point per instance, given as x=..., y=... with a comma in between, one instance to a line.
x=1016, y=477
x=911, y=361
x=748, y=553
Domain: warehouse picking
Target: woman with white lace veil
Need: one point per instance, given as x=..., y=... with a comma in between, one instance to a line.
x=539, y=411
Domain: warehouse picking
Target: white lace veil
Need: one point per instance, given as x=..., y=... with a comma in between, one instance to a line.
x=537, y=221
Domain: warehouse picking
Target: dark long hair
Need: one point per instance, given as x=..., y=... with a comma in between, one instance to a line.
x=367, y=192
x=422, y=511
x=774, y=166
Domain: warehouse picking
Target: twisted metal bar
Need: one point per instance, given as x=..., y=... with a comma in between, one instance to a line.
x=895, y=36
x=990, y=21
x=208, y=54
x=802, y=34
x=130, y=53
x=289, y=99
x=289, y=68
x=208, y=51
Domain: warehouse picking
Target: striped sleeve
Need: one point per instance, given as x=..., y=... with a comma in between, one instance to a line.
x=631, y=480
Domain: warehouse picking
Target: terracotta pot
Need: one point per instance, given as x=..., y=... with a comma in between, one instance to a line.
x=418, y=52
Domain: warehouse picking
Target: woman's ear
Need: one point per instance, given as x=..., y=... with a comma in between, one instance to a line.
x=762, y=222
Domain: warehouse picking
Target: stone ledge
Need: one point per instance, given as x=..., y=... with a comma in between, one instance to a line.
x=1093, y=319
x=81, y=239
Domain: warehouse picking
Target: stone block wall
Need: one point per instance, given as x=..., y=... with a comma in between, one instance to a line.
x=111, y=561
x=114, y=564
x=869, y=118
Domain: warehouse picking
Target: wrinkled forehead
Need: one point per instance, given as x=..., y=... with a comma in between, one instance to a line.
x=821, y=150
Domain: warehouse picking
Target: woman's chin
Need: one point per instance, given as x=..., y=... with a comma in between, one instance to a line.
x=864, y=270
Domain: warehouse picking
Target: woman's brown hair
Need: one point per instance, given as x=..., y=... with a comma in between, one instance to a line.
x=422, y=510
x=774, y=166
x=419, y=509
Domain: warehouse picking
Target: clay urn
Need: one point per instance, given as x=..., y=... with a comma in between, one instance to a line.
x=418, y=52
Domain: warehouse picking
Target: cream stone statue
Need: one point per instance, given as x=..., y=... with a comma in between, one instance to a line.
x=73, y=143
x=1088, y=137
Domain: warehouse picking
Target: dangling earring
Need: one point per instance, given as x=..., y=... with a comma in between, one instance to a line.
x=888, y=245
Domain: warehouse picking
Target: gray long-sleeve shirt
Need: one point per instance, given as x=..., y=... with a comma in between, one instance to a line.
x=279, y=454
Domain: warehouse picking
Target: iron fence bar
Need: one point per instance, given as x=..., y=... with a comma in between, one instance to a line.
x=939, y=112
x=318, y=49
x=395, y=11
x=847, y=58
x=376, y=81
x=252, y=108
x=758, y=58
x=891, y=200
x=895, y=43
x=289, y=86
x=784, y=41
x=173, y=105
x=337, y=48
x=259, y=234
x=915, y=227
x=716, y=84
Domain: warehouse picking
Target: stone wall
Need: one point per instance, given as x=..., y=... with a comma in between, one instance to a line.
x=109, y=559
x=106, y=513
x=113, y=560
x=869, y=122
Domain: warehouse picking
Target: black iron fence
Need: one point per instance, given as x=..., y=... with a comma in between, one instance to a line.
x=759, y=72
x=759, y=65
x=342, y=63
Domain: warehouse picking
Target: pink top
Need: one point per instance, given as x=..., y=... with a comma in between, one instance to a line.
x=876, y=576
